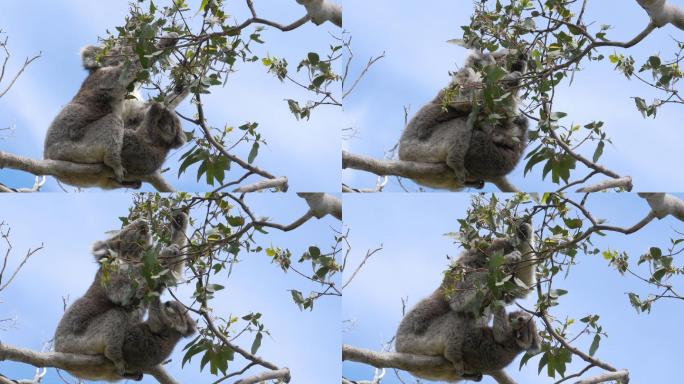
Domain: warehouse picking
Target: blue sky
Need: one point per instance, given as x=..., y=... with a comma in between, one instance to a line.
x=413, y=35
x=306, y=342
x=410, y=228
x=305, y=151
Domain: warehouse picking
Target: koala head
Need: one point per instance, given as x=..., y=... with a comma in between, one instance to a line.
x=179, y=219
x=509, y=59
x=174, y=316
x=168, y=129
x=128, y=243
x=524, y=330
x=93, y=57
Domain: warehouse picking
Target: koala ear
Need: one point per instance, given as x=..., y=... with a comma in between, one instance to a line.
x=89, y=57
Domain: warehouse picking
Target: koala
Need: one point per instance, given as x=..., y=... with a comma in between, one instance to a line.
x=131, y=344
x=90, y=128
x=451, y=129
x=464, y=282
x=172, y=256
x=473, y=348
x=459, y=298
x=118, y=288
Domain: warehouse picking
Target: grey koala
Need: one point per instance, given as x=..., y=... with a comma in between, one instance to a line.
x=464, y=283
x=475, y=348
x=172, y=257
x=459, y=298
x=90, y=128
x=117, y=300
x=131, y=344
x=109, y=289
x=475, y=149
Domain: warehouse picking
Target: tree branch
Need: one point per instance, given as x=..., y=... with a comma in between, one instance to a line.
x=58, y=168
x=282, y=374
x=278, y=182
x=410, y=169
x=407, y=362
x=322, y=204
x=622, y=376
x=623, y=182
x=664, y=205
x=321, y=11
x=70, y=361
x=662, y=12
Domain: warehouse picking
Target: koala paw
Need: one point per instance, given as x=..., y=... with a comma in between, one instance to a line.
x=120, y=367
x=119, y=174
x=136, y=184
x=460, y=177
x=514, y=257
x=133, y=376
x=472, y=376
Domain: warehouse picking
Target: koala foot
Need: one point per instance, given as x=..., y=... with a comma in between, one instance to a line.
x=133, y=376
x=459, y=371
x=119, y=174
x=120, y=367
x=477, y=184
x=136, y=184
x=472, y=376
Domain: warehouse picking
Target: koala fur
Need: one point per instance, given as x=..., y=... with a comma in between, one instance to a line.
x=116, y=301
x=108, y=289
x=457, y=302
x=474, y=148
x=474, y=348
x=90, y=128
x=172, y=256
x=133, y=345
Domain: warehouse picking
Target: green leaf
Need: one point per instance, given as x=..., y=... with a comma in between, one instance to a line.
x=599, y=151
x=256, y=343
x=253, y=153
x=314, y=58
x=594, y=345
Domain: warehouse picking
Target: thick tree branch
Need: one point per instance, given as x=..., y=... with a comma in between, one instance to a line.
x=70, y=361
x=282, y=374
x=664, y=205
x=410, y=169
x=623, y=182
x=58, y=168
x=663, y=12
x=407, y=362
x=620, y=376
x=322, y=204
x=321, y=11
x=278, y=182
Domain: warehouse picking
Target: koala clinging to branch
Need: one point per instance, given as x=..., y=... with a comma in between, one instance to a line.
x=462, y=299
x=117, y=297
x=455, y=127
x=477, y=348
x=134, y=345
x=114, y=289
x=90, y=129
